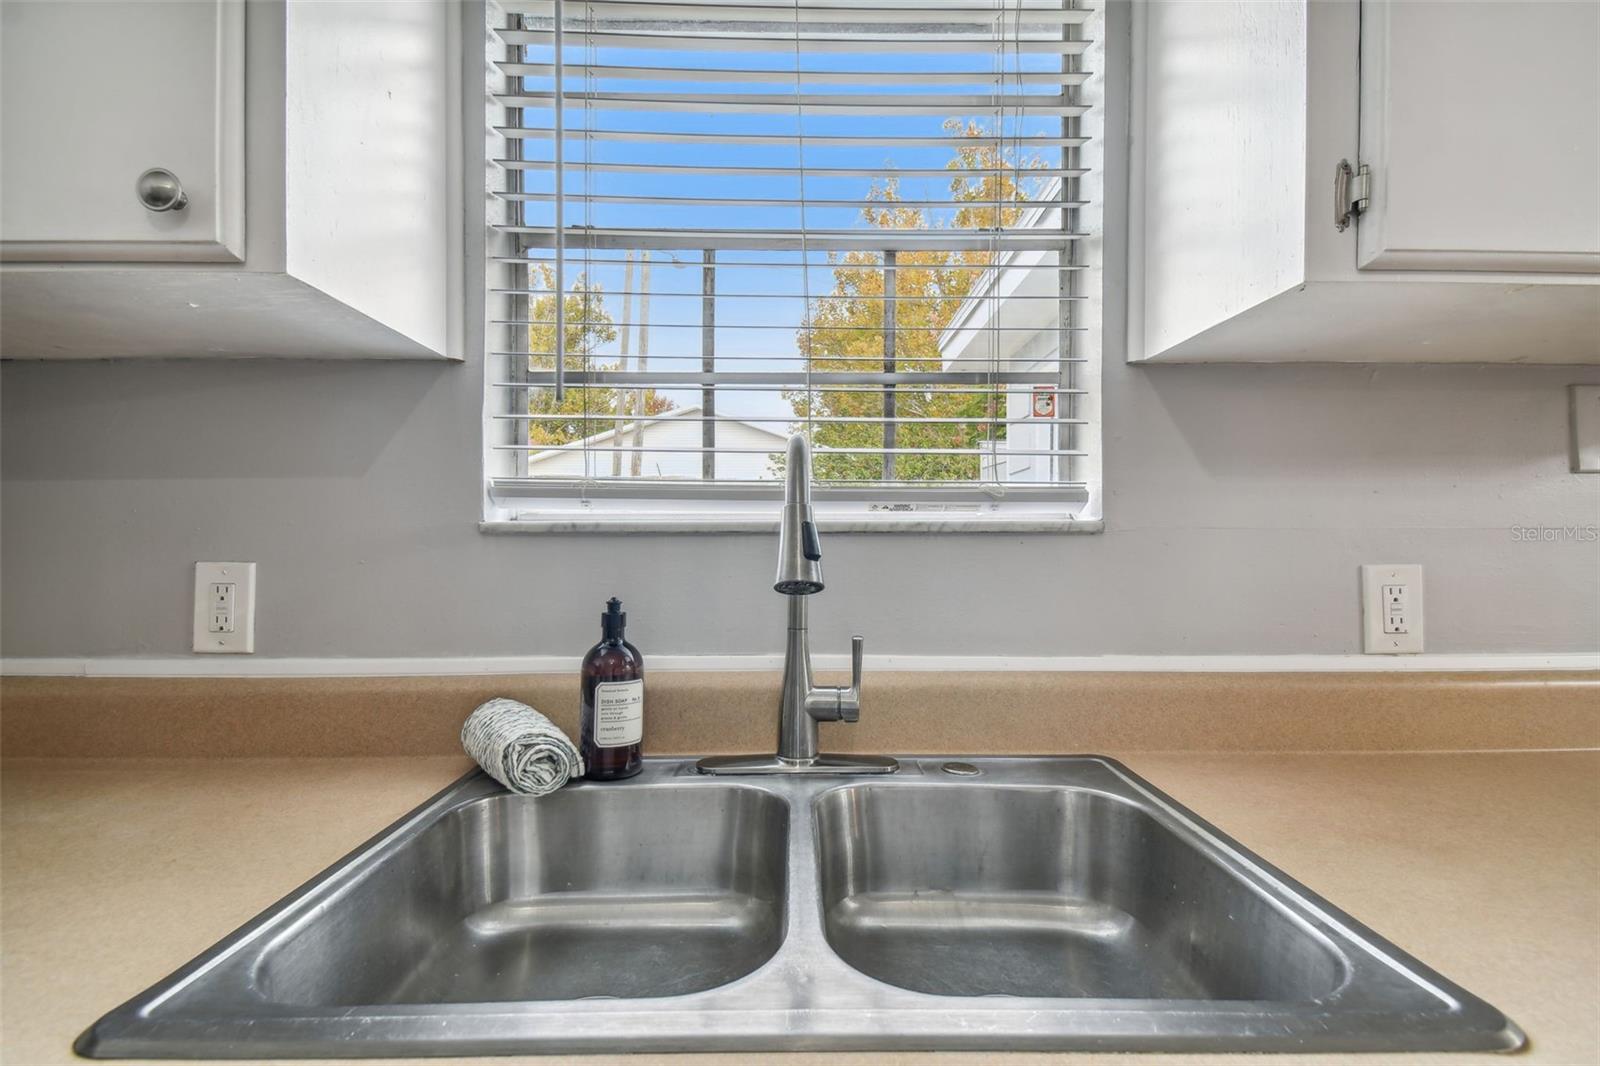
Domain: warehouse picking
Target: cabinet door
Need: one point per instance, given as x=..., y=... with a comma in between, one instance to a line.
x=1481, y=123
x=92, y=94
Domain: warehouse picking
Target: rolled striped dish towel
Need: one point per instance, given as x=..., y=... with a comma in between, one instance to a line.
x=520, y=748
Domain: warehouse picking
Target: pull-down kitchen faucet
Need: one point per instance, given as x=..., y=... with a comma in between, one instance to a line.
x=804, y=703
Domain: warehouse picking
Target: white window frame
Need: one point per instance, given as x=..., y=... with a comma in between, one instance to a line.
x=677, y=511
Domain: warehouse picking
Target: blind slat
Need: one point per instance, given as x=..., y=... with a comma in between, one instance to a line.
x=743, y=264
x=788, y=139
x=796, y=382
x=614, y=72
x=821, y=241
x=732, y=201
x=812, y=103
x=815, y=45
x=921, y=14
x=681, y=170
x=631, y=420
x=777, y=449
x=907, y=362
x=826, y=297
x=670, y=378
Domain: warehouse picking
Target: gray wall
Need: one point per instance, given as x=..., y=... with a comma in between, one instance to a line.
x=1240, y=502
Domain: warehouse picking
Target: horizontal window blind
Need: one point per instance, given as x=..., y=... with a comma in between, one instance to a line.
x=721, y=222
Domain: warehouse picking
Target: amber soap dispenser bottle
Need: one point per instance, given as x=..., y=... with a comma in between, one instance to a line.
x=613, y=702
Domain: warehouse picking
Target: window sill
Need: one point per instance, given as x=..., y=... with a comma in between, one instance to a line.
x=681, y=523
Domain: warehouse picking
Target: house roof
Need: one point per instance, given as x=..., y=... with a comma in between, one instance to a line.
x=991, y=300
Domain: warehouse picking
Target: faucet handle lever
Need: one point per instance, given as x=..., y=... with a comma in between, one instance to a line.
x=850, y=700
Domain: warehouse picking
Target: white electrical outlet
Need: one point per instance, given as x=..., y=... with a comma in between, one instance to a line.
x=221, y=595
x=225, y=607
x=1391, y=609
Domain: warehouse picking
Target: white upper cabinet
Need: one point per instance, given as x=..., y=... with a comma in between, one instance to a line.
x=1480, y=124
x=94, y=94
x=317, y=143
x=1470, y=231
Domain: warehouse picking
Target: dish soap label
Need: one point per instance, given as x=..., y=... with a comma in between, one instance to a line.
x=618, y=713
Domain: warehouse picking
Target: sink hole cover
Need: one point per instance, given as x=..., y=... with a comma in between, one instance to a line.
x=961, y=769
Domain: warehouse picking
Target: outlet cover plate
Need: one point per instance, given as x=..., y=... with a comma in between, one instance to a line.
x=1374, y=577
x=242, y=639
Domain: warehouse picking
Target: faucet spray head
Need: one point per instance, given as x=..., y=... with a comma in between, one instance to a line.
x=799, y=548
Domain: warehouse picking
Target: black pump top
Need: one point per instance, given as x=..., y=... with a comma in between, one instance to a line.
x=613, y=620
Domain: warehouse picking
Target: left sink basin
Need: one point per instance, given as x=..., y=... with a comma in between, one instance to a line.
x=626, y=893
x=480, y=898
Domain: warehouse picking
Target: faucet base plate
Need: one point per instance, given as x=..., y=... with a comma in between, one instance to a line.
x=730, y=765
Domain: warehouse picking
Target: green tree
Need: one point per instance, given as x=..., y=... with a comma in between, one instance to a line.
x=846, y=331
x=588, y=326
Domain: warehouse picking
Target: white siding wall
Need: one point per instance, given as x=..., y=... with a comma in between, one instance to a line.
x=1031, y=438
x=572, y=461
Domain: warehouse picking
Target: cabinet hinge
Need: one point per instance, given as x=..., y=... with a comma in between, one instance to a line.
x=1352, y=192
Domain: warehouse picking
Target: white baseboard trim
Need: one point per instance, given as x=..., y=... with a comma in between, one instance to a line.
x=250, y=666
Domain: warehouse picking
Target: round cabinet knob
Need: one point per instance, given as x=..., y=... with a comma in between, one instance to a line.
x=160, y=190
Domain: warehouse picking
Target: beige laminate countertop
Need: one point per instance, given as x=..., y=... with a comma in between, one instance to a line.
x=1484, y=865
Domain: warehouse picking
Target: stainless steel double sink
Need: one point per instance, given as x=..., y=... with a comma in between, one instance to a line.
x=1036, y=903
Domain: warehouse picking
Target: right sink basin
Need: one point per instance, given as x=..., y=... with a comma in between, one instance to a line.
x=1048, y=892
